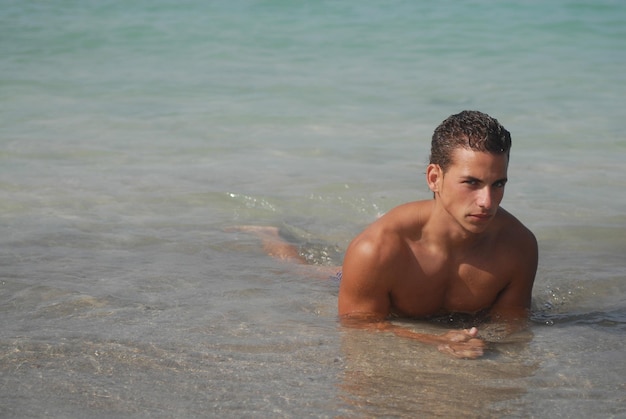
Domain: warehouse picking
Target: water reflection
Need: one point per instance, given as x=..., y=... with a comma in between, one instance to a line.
x=386, y=375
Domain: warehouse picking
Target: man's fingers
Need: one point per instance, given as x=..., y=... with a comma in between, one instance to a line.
x=472, y=332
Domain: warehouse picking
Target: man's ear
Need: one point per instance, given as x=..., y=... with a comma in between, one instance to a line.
x=434, y=176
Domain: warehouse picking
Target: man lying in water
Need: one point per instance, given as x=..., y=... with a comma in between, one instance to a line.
x=457, y=253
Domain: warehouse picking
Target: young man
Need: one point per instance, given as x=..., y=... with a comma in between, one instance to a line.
x=457, y=253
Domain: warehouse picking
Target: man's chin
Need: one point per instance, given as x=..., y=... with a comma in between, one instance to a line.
x=478, y=227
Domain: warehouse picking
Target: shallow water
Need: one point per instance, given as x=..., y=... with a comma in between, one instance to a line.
x=133, y=137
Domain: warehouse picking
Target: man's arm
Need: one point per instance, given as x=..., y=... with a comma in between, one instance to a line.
x=512, y=307
x=366, y=282
x=456, y=343
x=370, y=267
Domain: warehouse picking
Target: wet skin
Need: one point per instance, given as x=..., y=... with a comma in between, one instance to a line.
x=459, y=252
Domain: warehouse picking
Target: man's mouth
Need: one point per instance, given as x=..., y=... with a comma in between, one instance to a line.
x=481, y=216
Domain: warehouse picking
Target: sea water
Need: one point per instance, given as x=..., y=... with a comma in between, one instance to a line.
x=135, y=135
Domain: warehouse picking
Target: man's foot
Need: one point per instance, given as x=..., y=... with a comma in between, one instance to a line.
x=273, y=244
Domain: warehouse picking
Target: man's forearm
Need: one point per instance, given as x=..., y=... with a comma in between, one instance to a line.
x=457, y=343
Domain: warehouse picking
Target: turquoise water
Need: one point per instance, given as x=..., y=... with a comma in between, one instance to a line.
x=134, y=134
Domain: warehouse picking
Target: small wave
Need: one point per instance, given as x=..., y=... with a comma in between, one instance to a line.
x=613, y=318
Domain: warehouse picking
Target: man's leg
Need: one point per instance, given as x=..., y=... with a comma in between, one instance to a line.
x=274, y=245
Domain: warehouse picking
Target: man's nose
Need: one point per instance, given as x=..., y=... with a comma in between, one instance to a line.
x=485, y=198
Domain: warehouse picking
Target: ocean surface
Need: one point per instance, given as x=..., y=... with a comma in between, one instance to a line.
x=135, y=135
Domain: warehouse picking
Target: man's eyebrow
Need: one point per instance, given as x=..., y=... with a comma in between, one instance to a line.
x=475, y=179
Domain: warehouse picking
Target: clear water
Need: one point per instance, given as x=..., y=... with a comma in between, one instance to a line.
x=134, y=134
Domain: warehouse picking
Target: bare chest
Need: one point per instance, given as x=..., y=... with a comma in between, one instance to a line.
x=431, y=288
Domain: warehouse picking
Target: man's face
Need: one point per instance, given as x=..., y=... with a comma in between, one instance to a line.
x=473, y=187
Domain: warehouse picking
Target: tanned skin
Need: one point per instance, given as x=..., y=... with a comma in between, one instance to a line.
x=457, y=253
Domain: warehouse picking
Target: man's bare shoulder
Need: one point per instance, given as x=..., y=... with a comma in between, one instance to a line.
x=400, y=222
x=509, y=226
x=385, y=239
x=515, y=238
x=406, y=218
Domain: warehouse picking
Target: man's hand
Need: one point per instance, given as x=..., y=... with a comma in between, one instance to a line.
x=456, y=343
x=462, y=344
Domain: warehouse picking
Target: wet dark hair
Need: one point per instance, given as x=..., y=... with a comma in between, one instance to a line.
x=472, y=130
